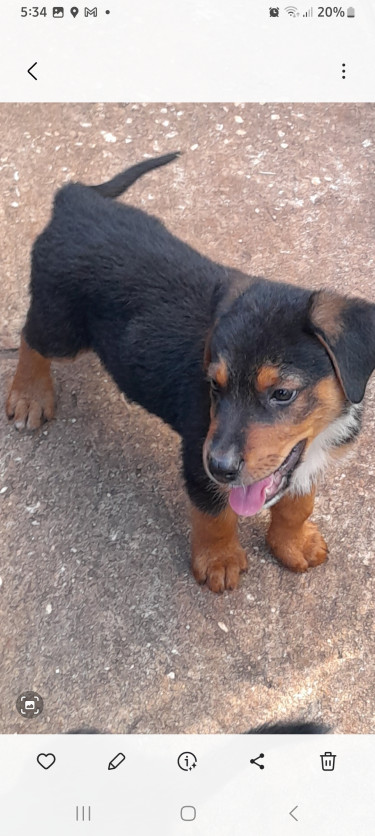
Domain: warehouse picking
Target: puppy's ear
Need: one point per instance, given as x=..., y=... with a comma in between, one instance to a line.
x=222, y=298
x=346, y=328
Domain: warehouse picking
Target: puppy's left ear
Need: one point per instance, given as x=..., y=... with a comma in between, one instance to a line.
x=222, y=299
x=346, y=328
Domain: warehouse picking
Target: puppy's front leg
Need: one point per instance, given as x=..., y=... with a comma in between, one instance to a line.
x=217, y=556
x=294, y=540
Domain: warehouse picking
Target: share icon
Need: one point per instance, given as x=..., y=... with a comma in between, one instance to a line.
x=255, y=760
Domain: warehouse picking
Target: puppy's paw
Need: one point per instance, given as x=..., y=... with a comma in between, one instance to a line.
x=315, y=549
x=220, y=569
x=299, y=550
x=31, y=404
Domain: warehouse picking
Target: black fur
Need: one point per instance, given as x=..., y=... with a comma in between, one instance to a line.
x=291, y=728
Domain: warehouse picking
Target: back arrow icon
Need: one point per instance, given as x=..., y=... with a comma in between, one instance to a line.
x=292, y=811
x=31, y=68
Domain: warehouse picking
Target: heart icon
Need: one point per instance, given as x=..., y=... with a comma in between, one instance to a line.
x=46, y=761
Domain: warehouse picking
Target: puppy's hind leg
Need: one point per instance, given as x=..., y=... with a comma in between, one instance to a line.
x=54, y=329
x=31, y=398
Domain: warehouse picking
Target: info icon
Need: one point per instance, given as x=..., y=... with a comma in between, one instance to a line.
x=187, y=761
x=29, y=705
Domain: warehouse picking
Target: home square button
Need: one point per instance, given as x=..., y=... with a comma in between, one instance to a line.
x=188, y=813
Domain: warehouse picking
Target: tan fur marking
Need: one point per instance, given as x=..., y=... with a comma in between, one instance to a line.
x=294, y=541
x=267, y=376
x=31, y=399
x=268, y=445
x=222, y=374
x=217, y=556
x=219, y=372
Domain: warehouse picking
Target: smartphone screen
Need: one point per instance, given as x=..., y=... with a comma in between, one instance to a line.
x=187, y=341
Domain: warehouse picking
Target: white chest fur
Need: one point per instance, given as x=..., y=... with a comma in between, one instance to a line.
x=318, y=456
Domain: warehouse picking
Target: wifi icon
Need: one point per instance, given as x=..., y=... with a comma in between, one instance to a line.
x=292, y=11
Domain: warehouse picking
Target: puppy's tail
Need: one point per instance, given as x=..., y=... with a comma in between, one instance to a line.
x=119, y=184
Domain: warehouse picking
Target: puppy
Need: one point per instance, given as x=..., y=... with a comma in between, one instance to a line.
x=263, y=381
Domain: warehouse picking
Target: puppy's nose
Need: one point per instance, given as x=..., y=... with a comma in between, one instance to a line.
x=224, y=466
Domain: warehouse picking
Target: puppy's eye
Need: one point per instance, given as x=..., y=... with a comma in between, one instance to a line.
x=215, y=388
x=284, y=395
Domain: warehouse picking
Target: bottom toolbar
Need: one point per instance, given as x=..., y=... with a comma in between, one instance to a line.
x=195, y=785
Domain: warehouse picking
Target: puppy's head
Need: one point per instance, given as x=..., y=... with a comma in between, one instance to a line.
x=283, y=364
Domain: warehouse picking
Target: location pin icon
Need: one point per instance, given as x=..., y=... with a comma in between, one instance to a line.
x=74, y=11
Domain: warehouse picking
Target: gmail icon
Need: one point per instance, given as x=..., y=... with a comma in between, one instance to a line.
x=93, y=12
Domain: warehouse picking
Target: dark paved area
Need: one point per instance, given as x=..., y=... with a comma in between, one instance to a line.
x=99, y=612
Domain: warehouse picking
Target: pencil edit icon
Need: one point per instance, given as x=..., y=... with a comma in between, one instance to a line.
x=116, y=761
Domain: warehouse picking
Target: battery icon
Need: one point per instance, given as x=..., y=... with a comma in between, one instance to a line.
x=351, y=11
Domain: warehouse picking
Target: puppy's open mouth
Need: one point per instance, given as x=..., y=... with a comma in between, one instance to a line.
x=248, y=500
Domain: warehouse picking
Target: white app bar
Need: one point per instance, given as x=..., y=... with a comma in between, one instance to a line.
x=193, y=50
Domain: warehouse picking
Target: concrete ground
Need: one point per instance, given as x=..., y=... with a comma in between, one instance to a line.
x=99, y=611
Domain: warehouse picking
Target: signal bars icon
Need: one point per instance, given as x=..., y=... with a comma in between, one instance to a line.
x=309, y=12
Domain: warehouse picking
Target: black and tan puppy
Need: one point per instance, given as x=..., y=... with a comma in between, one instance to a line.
x=263, y=381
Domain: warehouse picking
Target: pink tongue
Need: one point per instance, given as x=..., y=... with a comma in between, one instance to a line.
x=248, y=501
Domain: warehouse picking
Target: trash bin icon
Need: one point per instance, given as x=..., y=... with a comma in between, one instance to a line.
x=328, y=761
